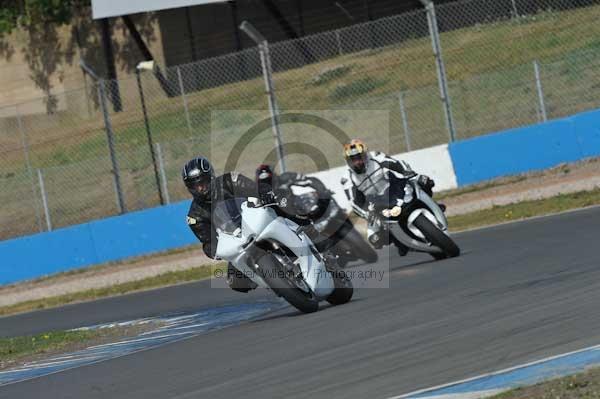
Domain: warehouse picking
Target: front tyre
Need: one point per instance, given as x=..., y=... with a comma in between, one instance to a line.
x=343, y=290
x=282, y=284
x=437, y=238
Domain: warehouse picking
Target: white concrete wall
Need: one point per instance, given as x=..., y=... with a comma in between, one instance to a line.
x=434, y=162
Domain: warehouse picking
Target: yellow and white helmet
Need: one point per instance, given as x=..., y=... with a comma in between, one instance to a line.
x=356, y=155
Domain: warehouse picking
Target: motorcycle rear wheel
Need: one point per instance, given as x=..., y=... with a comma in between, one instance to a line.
x=358, y=244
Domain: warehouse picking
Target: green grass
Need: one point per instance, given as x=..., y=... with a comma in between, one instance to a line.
x=162, y=280
x=523, y=210
x=584, y=385
x=491, y=88
x=355, y=89
x=12, y=349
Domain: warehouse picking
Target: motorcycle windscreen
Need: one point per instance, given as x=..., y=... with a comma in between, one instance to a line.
x=394, y=191
x=307, y=203
x=227, y=215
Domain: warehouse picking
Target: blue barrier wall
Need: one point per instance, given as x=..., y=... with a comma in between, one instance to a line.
x=524, y=149
x=106, y=240
x=159, y=229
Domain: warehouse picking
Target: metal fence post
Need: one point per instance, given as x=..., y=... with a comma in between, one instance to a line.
x=265, y=60
x=404, y=121
x=44, y=199
x=111, y=147
x=515, y=9
x=338, y=40
x=185, y=103
x=163, y=176
x=540, y=91
x=161, y=197
x=441, y=68
x=267, y=69
x=25, y=144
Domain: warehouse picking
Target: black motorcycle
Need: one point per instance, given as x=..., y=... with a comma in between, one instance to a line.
x=334, y=226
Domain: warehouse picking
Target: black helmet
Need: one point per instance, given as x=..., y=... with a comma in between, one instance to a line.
x=264, y=179
x=197, y=176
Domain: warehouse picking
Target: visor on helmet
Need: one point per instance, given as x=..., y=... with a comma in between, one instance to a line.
x=198, y=183
x=355, y=155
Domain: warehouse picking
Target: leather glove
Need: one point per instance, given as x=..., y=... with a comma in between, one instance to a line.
x=268, y=198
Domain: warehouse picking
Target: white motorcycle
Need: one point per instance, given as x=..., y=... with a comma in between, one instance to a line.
x=408, y=215
x=276, y=253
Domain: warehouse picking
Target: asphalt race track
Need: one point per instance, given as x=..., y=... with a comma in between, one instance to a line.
x=520, y=292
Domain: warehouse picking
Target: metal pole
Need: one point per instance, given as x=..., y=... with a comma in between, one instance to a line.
x=441, y=68
x=339, y=42
x=149, y=135
x=514, y=8
x=87, y=94
x=404, y=121
x=185, y=103
x=161, y=165
x=29, y=168
x=116, y=191
x=44, y=199
x=540, y=91
x=111, y=69
x=111, y=147
x=265, y=60
x=369, y=20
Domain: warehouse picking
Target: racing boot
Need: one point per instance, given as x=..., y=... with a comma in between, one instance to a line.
x=237, y=281
x=402, y=249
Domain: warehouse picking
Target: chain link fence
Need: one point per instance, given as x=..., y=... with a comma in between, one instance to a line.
x=458, y=70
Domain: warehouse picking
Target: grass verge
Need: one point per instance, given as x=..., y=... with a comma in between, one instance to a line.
x=524, y=210
x=162, y=280
x=12, y=349
x=17, y=351
x=585, y=385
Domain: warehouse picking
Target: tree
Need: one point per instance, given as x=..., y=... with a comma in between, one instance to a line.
x=28, y=13
x=45, y=52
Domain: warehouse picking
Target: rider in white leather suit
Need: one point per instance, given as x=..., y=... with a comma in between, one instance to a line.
x=369, y=174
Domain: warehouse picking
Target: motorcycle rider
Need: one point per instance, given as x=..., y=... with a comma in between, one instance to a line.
x=270, y=184
x=281, y=185
x=369, y=174
x=199, y=177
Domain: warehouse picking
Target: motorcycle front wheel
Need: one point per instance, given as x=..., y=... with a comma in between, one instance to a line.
x=281, y=282
x=437, y=238
x=343, y=286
